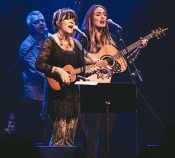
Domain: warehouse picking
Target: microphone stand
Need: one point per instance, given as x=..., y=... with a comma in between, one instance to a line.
x=84, y=116
x=83, y=60
x=136, y=72
x=30, y=48
x=133, y=76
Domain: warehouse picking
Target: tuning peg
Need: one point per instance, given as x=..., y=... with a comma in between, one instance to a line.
x=159, y=32
x=164, y=31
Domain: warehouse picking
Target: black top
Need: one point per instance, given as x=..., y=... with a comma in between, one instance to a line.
x=63, y=103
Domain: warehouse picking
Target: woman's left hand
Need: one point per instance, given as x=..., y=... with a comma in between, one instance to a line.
x=143, y=42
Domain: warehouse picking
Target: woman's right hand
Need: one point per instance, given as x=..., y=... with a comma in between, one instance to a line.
x=65, y=77
x=93, y=69
x=99, y=65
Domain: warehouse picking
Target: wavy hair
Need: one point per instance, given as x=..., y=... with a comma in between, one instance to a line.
x=90, y=27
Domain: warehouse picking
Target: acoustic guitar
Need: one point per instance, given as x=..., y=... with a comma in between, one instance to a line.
x=116, y=58
x=108, y=55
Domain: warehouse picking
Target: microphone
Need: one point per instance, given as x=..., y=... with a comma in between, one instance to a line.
x=113, y=23
x=131, y=58
x=88, y=55
x=75, y=27
x=83, y=78
x=46, y=32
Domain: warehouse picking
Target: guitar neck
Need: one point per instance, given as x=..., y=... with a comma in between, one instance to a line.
x=123, y=52
x=131, y=47
x=79, y=70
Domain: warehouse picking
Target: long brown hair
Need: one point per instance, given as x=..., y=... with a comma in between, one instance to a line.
x=90, y=27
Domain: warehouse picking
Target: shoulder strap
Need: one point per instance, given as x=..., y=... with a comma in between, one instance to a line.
x=78, y=43
x=80, y=46
x=86, y=53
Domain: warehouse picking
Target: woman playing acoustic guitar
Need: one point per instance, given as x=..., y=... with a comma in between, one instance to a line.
x=101, y=44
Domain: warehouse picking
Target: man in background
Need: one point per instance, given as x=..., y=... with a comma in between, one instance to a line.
x=33, y=80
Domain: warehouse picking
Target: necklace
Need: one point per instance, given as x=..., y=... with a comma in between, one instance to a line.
x=67, y=46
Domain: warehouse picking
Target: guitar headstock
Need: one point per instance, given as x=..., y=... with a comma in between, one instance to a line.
x=159, y=32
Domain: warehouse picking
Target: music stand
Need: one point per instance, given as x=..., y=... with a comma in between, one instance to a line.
x=108, y=98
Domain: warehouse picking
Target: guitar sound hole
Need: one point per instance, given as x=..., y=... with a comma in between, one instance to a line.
x=110, y=61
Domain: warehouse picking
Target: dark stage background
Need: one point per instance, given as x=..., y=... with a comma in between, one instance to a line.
x=155, y=103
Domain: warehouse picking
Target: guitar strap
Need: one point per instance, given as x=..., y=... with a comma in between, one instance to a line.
x=80, y=46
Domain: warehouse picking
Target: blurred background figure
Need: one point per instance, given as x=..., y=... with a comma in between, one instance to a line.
x=33, y=80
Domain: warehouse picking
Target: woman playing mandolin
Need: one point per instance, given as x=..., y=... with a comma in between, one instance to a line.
x=61, y=54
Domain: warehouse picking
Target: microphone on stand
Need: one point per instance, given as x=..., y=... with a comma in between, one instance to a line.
x=46, y=32
x=113, y=23
x=75, y=27
x=88, y=55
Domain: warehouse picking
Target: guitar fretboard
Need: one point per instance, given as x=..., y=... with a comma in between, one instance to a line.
x=131, y=47
x=79, y=70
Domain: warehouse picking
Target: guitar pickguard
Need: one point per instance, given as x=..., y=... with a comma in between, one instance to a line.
x=117, y=68
x=103, y=76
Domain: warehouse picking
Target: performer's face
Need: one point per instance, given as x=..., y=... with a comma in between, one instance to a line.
x=99, y=18
x=38, y=24
x=66, y=25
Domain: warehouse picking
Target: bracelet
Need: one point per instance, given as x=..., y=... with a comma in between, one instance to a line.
x=55, y=71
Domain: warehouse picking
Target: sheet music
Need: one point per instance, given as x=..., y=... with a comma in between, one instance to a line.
x=85, y=83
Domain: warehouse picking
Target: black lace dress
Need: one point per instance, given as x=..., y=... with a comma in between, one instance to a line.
x=64, y=103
